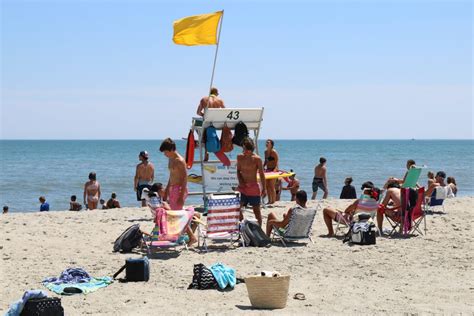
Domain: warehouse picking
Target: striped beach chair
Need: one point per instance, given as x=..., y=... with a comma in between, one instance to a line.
x=300, y=226
x=222, y=220
x=169, y=230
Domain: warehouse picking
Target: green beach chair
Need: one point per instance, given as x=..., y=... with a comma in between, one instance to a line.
x=412, y=177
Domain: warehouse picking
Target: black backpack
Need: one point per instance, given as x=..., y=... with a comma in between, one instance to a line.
x=253, y=235
x=241, y=131
x=129, y=239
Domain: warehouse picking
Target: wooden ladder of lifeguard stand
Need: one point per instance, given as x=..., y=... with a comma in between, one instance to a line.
x=218, y=117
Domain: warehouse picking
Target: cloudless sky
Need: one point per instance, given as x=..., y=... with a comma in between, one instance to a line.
x=322, y=70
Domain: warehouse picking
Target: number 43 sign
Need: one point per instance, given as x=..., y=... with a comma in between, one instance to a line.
x=233, y=115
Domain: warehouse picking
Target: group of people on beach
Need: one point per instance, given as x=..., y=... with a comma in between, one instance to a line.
x=391, y=203
x=250, y=167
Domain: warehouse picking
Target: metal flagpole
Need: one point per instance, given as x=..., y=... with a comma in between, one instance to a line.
x=215, y=56
x=208, y=99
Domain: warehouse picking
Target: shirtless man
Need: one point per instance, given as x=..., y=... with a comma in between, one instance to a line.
x=272, y=220
x=144, y=176
x=92, y=192
x=248, y=165
x=177, y=188
x=212, y=102
x=320, y=180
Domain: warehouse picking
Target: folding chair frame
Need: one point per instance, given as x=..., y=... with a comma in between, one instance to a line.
x=277, y=236
x=234, y=237
x=415, y=223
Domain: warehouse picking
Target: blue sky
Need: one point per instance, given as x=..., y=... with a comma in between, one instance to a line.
x=322, y=70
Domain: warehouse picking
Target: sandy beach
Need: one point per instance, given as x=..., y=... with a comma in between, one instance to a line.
x=423, y=274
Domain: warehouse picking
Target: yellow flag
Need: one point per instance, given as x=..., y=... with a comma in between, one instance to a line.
x=197, y=29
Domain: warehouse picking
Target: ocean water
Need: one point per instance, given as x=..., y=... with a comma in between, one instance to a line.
x=59, y=169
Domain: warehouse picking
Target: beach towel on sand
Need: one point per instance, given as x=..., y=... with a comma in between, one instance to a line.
x=75, y=280
x=224, y=275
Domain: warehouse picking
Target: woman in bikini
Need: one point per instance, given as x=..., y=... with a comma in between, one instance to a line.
x=92, y=192
x=271, y=165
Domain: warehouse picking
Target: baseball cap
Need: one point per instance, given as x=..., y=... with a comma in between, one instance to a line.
x=144, y=154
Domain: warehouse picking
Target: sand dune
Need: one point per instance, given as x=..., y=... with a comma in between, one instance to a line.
x=424, y=274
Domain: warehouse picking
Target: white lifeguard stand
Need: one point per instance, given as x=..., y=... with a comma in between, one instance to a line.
x=218, y=117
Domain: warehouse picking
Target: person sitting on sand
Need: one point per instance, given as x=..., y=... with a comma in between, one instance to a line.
x=369, y=193
x=177, y=188
x=348, y=190
x=301, y=199
x=410, y=164
x=248, y=165
x=74, y=205
x=320, y=179
x=293, y=186
x=44, y=205
x=103, y=204
x=5, y=209
x=92, y=192
x=113, y=202
x=452, y=183
x=211, y=102
x=440, y=176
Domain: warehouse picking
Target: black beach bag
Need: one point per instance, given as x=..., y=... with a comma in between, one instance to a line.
x=48, y=306
x=203, y=279
x=253, y=235
x=361, y=233
x=136, y=270
x=129, y=239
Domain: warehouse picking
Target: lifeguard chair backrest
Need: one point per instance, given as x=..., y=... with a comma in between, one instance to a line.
x=223, y=213
x=217, y=117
